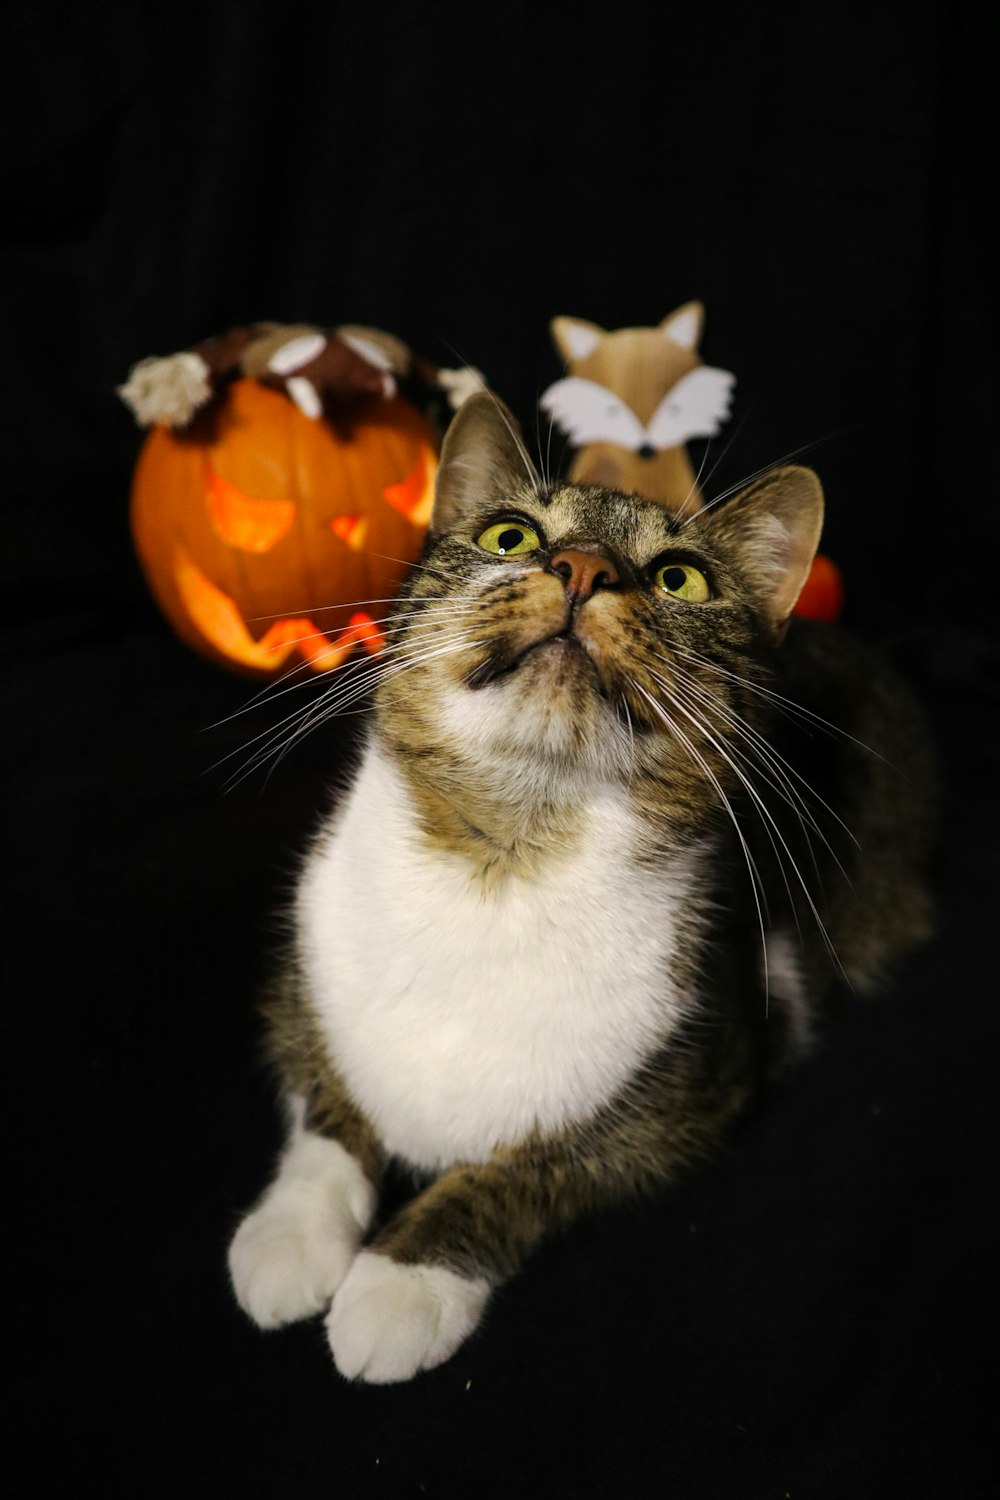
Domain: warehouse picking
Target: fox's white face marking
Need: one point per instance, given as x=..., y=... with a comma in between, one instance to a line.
x=587, y=412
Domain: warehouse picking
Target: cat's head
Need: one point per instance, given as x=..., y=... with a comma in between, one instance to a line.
x=583, y=631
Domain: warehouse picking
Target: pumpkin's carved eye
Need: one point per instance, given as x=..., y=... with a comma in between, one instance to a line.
x=413, y=496
x=244, y=522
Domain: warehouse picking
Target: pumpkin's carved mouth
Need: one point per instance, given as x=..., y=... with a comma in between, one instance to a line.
x=215, y=614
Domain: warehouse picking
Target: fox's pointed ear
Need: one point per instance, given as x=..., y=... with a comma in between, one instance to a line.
x=683, y=326
x=774, y=528
x=575, y=338
x=483, y=460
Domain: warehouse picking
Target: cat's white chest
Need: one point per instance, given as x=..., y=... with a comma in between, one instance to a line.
x=461, y=1021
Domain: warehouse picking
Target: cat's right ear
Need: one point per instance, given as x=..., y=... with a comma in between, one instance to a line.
x=483, y=459
x=774, y=526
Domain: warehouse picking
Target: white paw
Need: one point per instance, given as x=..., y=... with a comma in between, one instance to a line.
x=388, y=1321
x=290, y=1254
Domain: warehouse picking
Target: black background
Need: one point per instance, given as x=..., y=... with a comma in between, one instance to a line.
x=814, y=1315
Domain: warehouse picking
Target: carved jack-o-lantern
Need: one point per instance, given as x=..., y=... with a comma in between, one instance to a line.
x=262, y=533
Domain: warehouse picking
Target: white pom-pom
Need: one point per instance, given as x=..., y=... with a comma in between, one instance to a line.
x=461, y=384
x=167, y=390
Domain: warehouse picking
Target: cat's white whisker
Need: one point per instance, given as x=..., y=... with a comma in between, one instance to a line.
x=770, y=824
x=756, y=883
x=749, y=479
x=320, y=609
x=355, y=678
x=333, y=704
x=417, y=566
x=708, y=448
x=781, y=767
x=724, y=754
x=779, y=701
x=389, y=625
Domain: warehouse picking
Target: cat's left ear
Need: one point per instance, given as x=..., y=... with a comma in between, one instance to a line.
x=483, y=459
x=774, y=526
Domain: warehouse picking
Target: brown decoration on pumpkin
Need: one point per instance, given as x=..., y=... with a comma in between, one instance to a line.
x=322, y=370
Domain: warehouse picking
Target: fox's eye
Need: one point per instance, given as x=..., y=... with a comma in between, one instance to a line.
x=509, y=538
x=683, y=581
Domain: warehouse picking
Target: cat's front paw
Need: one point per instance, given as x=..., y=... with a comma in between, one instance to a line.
x=290, y=1254
x=389, y=1321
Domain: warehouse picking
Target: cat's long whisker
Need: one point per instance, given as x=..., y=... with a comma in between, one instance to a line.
x=752, y=478
x=756, y=756
x=321, y=609
x=631, y=735
x=529, y=467
x=328, y=711
x=407, y=562
x=708, y=447
x=779, y=701
x=543, y=467
x=780, y=766
x=772, y=776
x=330, y=704
x=396, y=656
x=765, y=813
x=696, y=481
x=756, y=883
x=353, y=683
x=274, y=731
x=407, y=620
x=547, y=467
x=703, y=729
x=304, y=667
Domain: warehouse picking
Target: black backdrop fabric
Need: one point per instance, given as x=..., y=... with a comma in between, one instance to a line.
x=813, y=1316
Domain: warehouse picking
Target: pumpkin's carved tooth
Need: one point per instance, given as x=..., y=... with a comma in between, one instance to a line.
x=215, y=614
x=218, y=619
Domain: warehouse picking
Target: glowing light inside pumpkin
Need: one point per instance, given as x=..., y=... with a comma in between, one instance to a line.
x=241, y=520
x=217, y=617
x=413, y=496
x=351, y=529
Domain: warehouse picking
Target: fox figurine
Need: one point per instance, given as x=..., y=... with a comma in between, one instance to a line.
x=632, y=399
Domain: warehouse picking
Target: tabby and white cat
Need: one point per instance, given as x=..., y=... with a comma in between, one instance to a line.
x=546, y=947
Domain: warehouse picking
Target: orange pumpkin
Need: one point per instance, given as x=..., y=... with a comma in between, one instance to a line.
x=263, y=534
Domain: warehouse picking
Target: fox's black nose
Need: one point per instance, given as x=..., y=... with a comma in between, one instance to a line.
x=647, y=451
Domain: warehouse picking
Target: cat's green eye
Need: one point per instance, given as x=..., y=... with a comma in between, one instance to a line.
x=683, y=581
x=509, y=538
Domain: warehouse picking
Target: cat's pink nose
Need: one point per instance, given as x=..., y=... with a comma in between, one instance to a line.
x=583, y=573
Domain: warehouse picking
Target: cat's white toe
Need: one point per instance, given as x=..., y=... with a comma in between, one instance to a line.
x=389, y=1321
x=290, y=1254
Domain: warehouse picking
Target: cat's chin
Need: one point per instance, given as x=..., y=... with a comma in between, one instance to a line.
x=558, y=657
x=555, y=660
